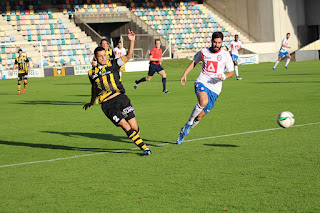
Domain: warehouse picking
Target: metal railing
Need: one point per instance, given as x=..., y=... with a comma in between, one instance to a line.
x=89, y=31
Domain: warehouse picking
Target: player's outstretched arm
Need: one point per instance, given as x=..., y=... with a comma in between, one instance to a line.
x=129, y=55
x=93, y=98
x=190, y=67
x=29, y=67
x=14, y=68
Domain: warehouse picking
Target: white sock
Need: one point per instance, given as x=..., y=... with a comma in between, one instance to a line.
x=195, y=122
x=288, y=60
x=275, y=65
x=195, y=112
x=120, y=73
x=236, y=70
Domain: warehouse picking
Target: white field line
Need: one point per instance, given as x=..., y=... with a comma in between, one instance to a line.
x=162, y=144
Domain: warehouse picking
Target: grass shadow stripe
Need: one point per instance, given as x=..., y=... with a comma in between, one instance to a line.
x=157, y=145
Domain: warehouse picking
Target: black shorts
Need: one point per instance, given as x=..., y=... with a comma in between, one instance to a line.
x=117, y=108
x=22, y=76
x=153, y=68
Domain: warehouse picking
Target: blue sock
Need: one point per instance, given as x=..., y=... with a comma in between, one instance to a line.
x=164, y=82
x=141, y=80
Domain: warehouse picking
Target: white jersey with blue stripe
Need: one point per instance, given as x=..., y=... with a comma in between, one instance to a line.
x=284, y=42
x=235, y=46
x=213, y=64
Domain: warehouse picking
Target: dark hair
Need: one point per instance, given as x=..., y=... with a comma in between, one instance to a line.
x=288, y=33
x=236, y=35
x=20, y=50
x=217, y=35
x=98, y=49
x=155, y=41
x=103, y=40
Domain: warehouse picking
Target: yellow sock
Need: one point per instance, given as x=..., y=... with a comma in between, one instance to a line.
x=25, y=86
x=19, y=86
x=135, y=137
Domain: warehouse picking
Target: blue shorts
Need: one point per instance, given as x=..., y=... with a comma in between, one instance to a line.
x=153, y=68
x=282, y=54
x=199, y=87
x=234, y=57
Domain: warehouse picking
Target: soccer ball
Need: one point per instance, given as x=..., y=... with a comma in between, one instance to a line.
x=286, y=119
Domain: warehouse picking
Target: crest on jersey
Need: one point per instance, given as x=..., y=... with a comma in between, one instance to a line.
x=219, y=57
x=212, y=66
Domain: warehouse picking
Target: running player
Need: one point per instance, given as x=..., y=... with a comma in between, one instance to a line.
x=119, y=51
x=107, y=87
x=110, y=55
x=155, y=66
x=283, y=52
x=236, y=46
x=23, y=64
x=209, y=83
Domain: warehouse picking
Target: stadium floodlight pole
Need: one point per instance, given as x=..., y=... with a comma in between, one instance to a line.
x=31, y=42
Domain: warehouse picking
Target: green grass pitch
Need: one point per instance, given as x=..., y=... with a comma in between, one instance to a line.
x=56, y=157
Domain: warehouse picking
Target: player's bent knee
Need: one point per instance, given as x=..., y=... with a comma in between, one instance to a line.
x=203, y=102
x=148, y=78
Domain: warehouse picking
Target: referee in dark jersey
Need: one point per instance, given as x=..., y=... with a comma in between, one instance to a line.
x=107, y=87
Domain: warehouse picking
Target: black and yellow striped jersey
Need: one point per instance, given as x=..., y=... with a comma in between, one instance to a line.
x=110, y=57
x=106, y=79
x=22, y=64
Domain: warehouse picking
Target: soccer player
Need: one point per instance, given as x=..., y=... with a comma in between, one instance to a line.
x=23, y=64
x=107, y=87
x=155, y=66
x=119, y=51
x=236, y=46
x=110, y=55
x=209, y=83
x=283, y=52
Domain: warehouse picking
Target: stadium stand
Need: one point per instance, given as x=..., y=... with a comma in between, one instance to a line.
x=186, y=24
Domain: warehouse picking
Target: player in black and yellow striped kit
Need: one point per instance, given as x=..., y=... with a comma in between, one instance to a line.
x=110, y=54
x=108, y=89
x=23, y=64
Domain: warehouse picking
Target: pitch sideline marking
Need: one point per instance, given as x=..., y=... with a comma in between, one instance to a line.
x=163, y=144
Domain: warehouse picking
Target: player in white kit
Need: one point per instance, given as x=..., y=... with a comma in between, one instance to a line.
x=119, y=51
x=283, y=52
x=209, y=83
x=236, y=46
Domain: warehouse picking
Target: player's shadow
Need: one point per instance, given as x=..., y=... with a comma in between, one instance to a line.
x=63, y=147
x=221, y=145
x=74, y=84
x=103, y=136
x=81, y=95
x=51, y=102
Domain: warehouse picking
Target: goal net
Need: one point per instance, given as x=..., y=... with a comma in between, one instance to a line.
x=9, y=52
